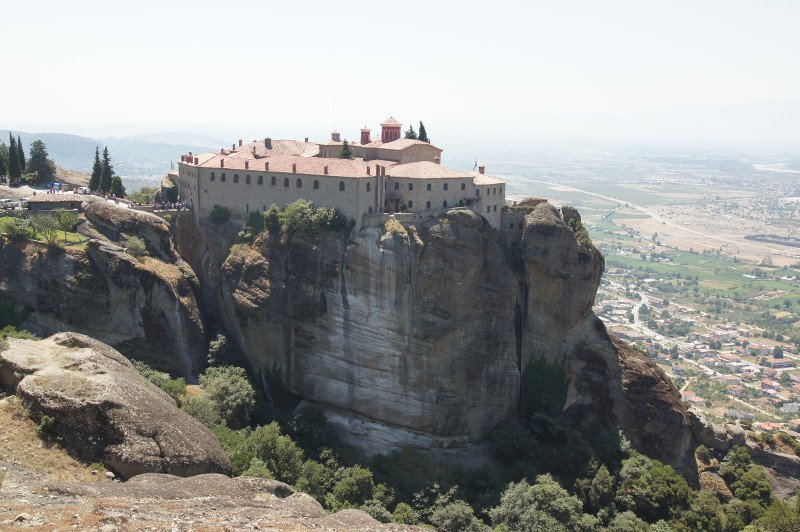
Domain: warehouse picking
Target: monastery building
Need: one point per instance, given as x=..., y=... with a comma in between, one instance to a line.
x=389, y=175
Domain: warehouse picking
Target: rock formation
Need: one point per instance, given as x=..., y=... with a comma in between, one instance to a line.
x=102, y=410
x=146, y=308
x=419, y=338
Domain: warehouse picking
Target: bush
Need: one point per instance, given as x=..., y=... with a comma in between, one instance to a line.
x=355, y=488
x=232, y=392
x=703, y=454
x=651, y=490
x=405, y=515
x=310, y=429
x=223, y=352
x=377, y=510
x=46, y=226
x=394, y=227
x=9, y=331
x=203, y=410
x=219, y=215
x=258, y=469
x=46, y=427
x=135, y=246
x=19, y=229
x=278, y=452
x=175, y=388
x=542, y=505
x=457, y=516
x=144, y=196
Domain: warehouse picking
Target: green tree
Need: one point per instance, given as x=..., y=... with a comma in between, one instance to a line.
x=39, y=163
x=346, y=153
x=66, y=221
x=106, y=172
x=230, y=389
x=405, y=515
x=278, y=452
x=258, y=469
x=423, y=135
x=46, y=226
x=97, y=170
x=3, y=158
x=779, y=517
x=14, y=169
x=175, y=388
x=410, y=133
x=219, y=215
x=651, y=490
x=203, y=410
x=596, y=491
x=705, y=514
x=135, y=246
x=355, y=488
x=457, y=516
x=627, y=522
x=117, y=188
x=20, y=154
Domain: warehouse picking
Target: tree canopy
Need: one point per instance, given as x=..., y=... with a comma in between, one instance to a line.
x=423, y=135
x=346, y=152
x=39, y=163
x=97, y=169
x=106, y=172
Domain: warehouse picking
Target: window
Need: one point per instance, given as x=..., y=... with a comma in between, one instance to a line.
x=477, y=192
x=411, y=186
x=213, y=177
x=299, y=183
x=428, y=204
x=501, y=190
x=368, y=186
x=444, y=204
x=272, y=181
x=316, y=184
x=247, y=208
x=410, y=204
x=494, y=191
x=235, y=178
x=261, y=180
x=397, y=186
x=488, y=208
x=429, y=187
x=341, y=185
x=370, y=210
x=247, y=179
x=444, y=187
x=463, y=186
x=495, y=208
x=222, y=177
x=511, y=226
x=461, y=203
x=286, y=181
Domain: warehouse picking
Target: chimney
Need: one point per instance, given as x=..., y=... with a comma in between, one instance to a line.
x=294, y=168
x=222, y=151
x=222, y=163
x=268, y=143
x=481, y=169
x=183, y=158
x=240, y=143
x=306, y=139
x=233, y=147
x=365, y=137
x=247, y=165
x=335, y=136
x=196, y=160
x=326, y=169
x=369, y=170
x=190, y=154
x=437, y=160
x=266, y=166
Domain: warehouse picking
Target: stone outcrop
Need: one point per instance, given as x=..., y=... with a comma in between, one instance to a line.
x=419, y=338
x=102, y=410
x=146, y=308
x=711, y=435
x=164, y=502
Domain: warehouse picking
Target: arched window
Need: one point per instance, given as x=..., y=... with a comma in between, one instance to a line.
x=213, y=177
x=247, y=179
x=444, y=204
x=411, y=186
x=494, y=191
x=341, y=185
x=429, y=187
x=495, y=208
x=501, y=190
x=299, y=183
x=222, y=177
x=477, y=192
x=286, y=181
x=444, y=187
x=428, y=205
x=368, y=186
x=272, y=181
x=247, y=208
x=316, y=184
x=261, y=180
x=488, y=208
x=235, y=178
x=410, y=204
x=463, y=186
x=397, y=186
x=370, y=210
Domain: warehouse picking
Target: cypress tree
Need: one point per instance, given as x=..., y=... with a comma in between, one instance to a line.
x=410, y=133
x=346, y=153
x=94, y=181
x=20, y=154
x=423, y=135
x=14, y=170
x=106, y=172
x=39, y=163
x=3, y=158
x=117, y=188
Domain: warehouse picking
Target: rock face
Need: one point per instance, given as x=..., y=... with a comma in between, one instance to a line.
x=419, y=338
x=145, y=308
x=104, y=411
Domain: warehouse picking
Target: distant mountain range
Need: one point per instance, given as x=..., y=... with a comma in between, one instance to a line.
x=148, y=154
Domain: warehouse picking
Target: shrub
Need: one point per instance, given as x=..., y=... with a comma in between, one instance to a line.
x=703, y=454
x=457, y=516
x=219, y=215
x=405, y=515
x=256, y=222
x=46, y=226
x=19, y=229
x=544, y=504
x=354, y=489
x=223, y=352
x=136, y=247
x=377, y=510
x=46, y=427
x=394, y=227
x=9, y=331
x=203, y=410
x=258, y=469
x=144, y=196
x=175, y=388
x=278, y=452
x=232, y=392
x=651, y=490
x=310, y=429
x=581, y=234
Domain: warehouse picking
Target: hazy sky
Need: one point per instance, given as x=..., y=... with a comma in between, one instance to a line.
x=710, y=69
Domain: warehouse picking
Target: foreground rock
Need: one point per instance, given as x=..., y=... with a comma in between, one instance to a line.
x=104, y=411
x=164, y=502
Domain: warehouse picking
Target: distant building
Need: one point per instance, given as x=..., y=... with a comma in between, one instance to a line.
x=791, y=408
x=735, y=390
x=52, y=202
x=739, y=415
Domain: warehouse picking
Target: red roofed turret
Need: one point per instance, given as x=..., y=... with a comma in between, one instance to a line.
x=390, y=129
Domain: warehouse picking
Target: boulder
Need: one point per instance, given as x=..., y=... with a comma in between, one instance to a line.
x=709, y=434
x=102, y=410
x=569, y=214
x=737, y=434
